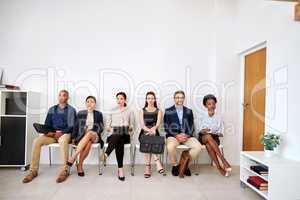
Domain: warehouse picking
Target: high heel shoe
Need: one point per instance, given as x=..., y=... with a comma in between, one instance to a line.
x=148, y=175
x=70, y=164
x=121, y=178
x=80, y=173
x=160, y=171
x=229, y=169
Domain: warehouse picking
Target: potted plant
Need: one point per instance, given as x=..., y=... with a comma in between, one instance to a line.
x=270, y=142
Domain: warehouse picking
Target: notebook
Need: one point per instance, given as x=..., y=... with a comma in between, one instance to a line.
x=41, y=128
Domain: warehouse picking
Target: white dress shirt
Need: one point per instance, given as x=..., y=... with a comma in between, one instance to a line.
x=214, y=123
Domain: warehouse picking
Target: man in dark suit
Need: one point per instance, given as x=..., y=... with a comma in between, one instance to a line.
x=179, y=128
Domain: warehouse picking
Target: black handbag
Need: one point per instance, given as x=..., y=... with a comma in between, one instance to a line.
x=152, y=144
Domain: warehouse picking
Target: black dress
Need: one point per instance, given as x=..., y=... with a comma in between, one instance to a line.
x=150, y=119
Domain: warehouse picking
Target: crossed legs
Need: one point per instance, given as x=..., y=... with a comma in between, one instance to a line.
x=83, y=149
x=215, y=154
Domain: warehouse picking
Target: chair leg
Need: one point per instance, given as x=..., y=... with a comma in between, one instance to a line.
x=196, y=164
x=50, y=160
x=99, y=160
x=133, y=162
x=77, y=158
x=166, y=161
x=71, y=151
x=103, y=152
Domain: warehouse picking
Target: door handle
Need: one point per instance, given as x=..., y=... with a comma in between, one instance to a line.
x=245, y=105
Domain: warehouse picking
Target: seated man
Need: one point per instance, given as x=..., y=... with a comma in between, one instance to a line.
x=61, y=119
x=179, y=127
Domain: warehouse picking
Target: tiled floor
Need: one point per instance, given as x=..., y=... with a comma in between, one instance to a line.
x=209, y=185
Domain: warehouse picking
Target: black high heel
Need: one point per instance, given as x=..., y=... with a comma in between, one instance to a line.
x=149, y=174
x=160, y=171
x=80, y=173
x=121, y=178
x=70, y=164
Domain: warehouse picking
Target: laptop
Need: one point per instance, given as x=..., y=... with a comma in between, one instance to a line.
x=41, y=128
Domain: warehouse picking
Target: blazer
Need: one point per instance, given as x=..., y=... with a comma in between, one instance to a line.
x=172, y=125
x=80, y=125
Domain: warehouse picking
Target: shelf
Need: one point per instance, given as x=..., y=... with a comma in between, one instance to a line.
x=257, y=157
x=264, y=194
x=254, y=173
x=281, y=171
x=13, y=115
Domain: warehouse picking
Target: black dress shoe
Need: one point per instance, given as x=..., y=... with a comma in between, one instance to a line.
x=187, y=172
x=81, y=174
x=175, y=170
x=70, y=164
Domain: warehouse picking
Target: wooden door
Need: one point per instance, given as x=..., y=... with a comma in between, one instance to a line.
x=254, y=100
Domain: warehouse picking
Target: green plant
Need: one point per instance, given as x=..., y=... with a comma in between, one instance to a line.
x=270, y=141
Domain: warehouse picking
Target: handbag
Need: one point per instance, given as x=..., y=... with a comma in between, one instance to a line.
x=152, y=144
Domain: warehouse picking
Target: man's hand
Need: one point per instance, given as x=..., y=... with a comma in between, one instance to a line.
x=181, y=137
x=50, y=134
x=58, y=134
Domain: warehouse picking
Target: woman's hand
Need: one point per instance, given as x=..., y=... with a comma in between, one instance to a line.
x=205, y=131
x=152, y=131
x=130, y=129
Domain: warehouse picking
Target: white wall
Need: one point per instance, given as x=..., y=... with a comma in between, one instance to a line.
x=274, y=23
x=139, y=45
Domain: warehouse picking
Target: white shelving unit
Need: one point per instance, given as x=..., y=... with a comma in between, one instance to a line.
x=283, y=178
x=17, y=114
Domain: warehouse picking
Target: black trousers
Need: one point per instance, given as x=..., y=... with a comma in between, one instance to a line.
x=116, y=142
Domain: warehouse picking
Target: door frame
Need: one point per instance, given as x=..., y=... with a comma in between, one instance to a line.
x=242, y=55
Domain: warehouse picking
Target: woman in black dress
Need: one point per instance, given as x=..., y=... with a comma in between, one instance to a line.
x=150, y=120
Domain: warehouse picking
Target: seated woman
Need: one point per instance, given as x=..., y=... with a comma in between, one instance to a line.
x=119, y=127
x=211, y=128
x=150, y=120
x=87, y=130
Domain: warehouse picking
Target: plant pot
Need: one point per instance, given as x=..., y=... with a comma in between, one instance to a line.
x=269, y=153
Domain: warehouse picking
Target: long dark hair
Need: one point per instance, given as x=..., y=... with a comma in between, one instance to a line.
x=124, y=95
x=146, y=103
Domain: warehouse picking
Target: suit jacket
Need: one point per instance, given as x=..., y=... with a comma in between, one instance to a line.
x=172, y=125
x=80, y=125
